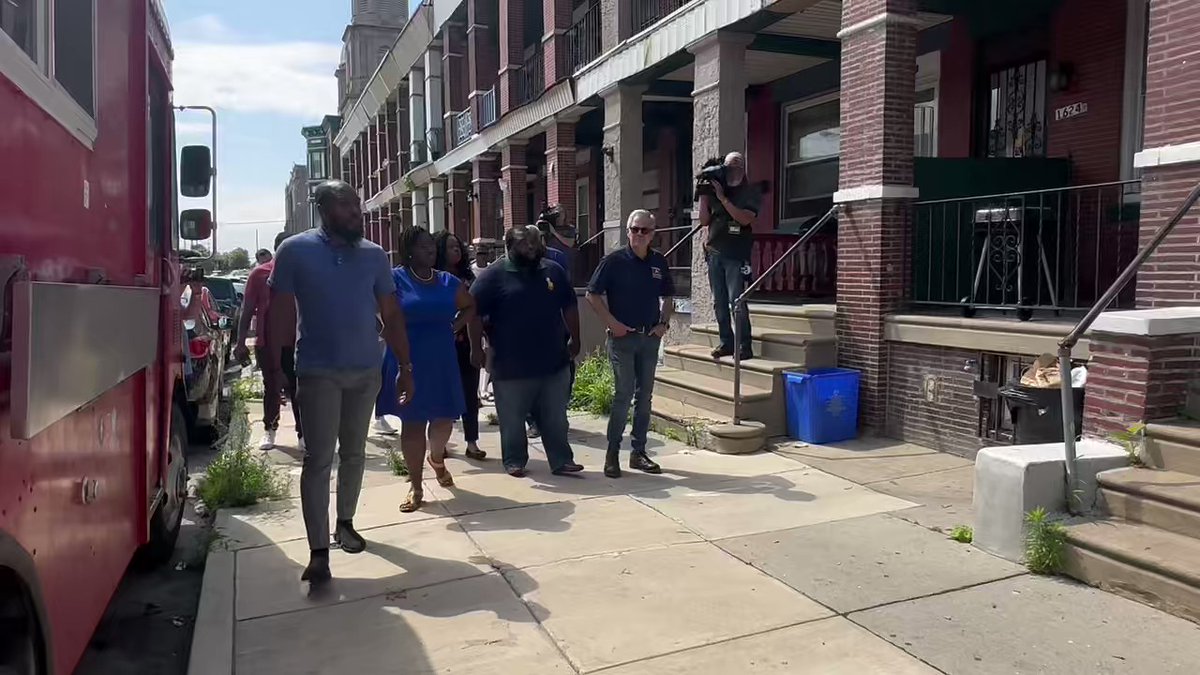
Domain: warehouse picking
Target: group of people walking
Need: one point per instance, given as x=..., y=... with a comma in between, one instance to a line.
x=435, y=323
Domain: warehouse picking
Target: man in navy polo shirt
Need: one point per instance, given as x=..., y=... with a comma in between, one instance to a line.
x=339, y=284
x=528, y=309
x=633, y=293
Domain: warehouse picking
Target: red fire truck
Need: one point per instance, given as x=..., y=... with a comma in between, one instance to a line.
x=92, y=464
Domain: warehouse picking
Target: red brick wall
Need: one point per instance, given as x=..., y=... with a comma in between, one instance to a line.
x=949, y=422
x=762, y=152
x=1136, y=379
x=1089, y=35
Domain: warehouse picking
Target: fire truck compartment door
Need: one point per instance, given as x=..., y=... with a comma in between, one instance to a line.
x=72, y=343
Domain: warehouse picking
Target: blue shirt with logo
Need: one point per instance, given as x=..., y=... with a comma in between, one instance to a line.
x=337, y=289
x=522, y=314
x=633, y=286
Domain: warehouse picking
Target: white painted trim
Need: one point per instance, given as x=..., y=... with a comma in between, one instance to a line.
x=1150, y=322
x=893, y=18
x=1132, y=105
x=866, y=192
x=1167, y=155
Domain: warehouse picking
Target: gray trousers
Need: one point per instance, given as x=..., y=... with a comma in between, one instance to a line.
x=336, y=406
x=634, y=359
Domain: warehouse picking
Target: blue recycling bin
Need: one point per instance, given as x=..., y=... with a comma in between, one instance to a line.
x=822, y=404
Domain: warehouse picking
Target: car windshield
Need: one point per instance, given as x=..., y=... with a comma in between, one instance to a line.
x=222, y=289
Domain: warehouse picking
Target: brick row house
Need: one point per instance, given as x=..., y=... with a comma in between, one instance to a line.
x=995, y=163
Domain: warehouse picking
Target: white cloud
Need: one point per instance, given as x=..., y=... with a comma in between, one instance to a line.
x=287, y=78
x=203, y=28
x=193, y=129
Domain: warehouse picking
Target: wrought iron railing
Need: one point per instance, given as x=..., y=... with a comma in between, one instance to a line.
x=646, y=12
x=1068, y=343
x=531, y=77
x=464, y=127
x=487, y=108
x=583, y=38
x=811, y=272
x=1054, y=249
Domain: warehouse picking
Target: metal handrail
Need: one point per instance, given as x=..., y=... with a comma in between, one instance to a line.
x=674, y=228
x=739, y=306
x=1068, y=343
x=683, y=240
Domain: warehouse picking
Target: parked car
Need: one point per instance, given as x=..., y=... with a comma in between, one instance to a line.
x=228, y=302
x=205, y=349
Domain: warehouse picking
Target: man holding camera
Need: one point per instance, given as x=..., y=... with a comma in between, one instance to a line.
x=727, y=215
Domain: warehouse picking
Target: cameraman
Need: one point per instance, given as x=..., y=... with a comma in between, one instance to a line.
x=727, y=218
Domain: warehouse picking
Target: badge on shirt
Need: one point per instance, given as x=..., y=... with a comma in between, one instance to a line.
x=735, y=229
x=549, y=284
x=656, y=272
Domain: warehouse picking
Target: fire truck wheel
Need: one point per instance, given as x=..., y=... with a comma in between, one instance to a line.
x=20, y=640
x=167, y=518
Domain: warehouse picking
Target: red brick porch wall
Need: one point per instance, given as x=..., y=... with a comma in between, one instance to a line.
x=947, y=423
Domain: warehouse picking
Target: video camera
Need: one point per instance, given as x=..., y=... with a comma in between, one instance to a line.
x=713, y=169
x=549, y=216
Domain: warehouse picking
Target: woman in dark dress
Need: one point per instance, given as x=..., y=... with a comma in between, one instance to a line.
x=452, y=258
x=436, y=306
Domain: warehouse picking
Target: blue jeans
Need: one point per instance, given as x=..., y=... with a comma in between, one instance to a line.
x=727, y=283
x=634, y=359
x=546, y=399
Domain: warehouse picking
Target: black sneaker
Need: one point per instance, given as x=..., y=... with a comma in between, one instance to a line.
x=640, y=461
x=515, y=471
x=746, y=356
x=345, y=536
x=317, y=571
x=612, y=464
x=569, y=467
x=721, y=351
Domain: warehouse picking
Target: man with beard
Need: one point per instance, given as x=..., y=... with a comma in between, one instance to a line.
x=528, y=309
x=338, y=283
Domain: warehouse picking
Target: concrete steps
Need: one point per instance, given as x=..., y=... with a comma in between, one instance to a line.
x=693, y=392
x=1168, y=500
x=1174, y=446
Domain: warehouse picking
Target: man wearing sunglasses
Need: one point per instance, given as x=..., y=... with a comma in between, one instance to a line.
x=633, y=293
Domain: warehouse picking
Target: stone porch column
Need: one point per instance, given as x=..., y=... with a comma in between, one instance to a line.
x=615, y=22
x=560, y=168
x=416, y=116
x=485, y=185
x=875, y=187
x=460, y=205
x=512, y=176
x=456, y=86
x=437, y=204
x=482, y=58
x=512, y=36
x=420, y=208
x=718, y=128
x=556, y=60
x=435, y=137
x=621, y=159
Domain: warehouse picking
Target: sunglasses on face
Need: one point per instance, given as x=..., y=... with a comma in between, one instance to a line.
x=641, y=230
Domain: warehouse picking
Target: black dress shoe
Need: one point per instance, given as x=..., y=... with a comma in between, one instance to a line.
x=721, y=351
x=347, y=538
x=317, y=571
x=746, y=356
x=569, y=467
x=515, y=471
x=612, y=464
x=641, y=462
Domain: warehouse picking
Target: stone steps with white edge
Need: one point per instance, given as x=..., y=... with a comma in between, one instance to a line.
x=802, y=349
x=1168, y=500
x=756, y=372
x=1174, y=446
x=715, y=395
x=811, y=319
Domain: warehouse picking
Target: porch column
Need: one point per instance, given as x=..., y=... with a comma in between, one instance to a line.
x=875, y=186
x=403, y=134
x=456, y=86
x=621, y=158
x=718, y=128
x=460, y=206
x=420, y=208
x=485, y=184
x=482, y=57
x=405, y=220
x=555, y=57
x=512, y=35
x=435, y=137
x=1170, y=159
x=416, y=116
x=437, y=204
x=512, y=177
x=560, y=168
x=615, y=22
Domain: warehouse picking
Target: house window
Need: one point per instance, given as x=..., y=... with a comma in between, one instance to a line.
x=316, y=165
x=583, y=210
x=48, y=50
x=1016, y=122
x=812, y=136
x=925, y=124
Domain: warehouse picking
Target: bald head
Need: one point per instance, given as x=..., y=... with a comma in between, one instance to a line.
x=735, y=168
x=340, y=209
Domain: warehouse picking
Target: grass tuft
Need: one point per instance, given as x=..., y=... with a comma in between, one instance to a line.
x=962, y=534
x=594, y=386
x=238, y=476
x=1045, y=543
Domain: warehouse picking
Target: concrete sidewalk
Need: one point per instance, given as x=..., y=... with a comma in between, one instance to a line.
x=802, y=560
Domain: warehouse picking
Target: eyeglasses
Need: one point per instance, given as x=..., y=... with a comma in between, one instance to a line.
x=641, y=230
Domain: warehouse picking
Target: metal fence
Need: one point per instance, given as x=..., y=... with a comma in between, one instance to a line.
x=1054, y=249
x=811, y=272
x=464, y=127
x=531, y=77
x=583, y=38
x=487, y=108
x=646, y=12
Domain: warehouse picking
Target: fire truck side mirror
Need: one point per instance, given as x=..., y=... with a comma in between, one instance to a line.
x=195, y=225
x=195, y=171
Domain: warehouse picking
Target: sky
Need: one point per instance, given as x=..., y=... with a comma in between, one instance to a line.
x=267, y=66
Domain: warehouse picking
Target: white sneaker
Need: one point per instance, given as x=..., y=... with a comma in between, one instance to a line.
x=268, y=441
x=382, y=426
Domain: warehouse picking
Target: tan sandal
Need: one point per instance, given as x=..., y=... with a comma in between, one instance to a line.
x=444, y=478
x=413, y=501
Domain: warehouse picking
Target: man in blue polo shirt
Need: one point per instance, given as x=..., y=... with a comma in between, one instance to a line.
x=338, y=283
x=633, y=293
x=528, y=310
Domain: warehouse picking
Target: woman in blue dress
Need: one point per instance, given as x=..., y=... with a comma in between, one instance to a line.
x=436, y=305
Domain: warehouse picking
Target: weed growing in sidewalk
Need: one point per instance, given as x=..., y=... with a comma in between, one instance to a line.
x=1131, y=440
x=962, y=534
x=238, y=476
x=396, y=463
x=594, y=386
x=1045, y=543
x=493, y=419
x=249, y=388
